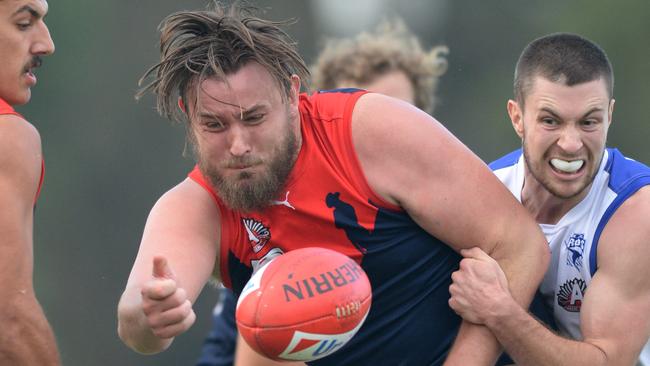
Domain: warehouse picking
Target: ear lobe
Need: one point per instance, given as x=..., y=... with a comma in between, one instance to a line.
x=516, y=117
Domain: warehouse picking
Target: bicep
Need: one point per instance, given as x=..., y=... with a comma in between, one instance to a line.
x=615, y=320
x=443, y=186
x=19, y=175
x=183, y=227
x=614, y=315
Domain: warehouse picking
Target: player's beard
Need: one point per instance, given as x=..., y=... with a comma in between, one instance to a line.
x=249, y=191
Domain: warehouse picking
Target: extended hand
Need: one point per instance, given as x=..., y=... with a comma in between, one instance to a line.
x=166, y=306
x=479, y=287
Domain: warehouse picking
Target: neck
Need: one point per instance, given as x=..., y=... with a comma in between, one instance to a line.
x=544, y=206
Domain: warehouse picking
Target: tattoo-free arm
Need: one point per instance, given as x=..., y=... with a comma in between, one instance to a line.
x=27, y=338
x=411, y=160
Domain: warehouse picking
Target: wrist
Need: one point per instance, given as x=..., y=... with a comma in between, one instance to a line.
x=501, y=312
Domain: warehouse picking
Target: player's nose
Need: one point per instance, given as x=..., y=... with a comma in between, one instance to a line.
x=239, y=140
x=43, y=45
x=570, y=140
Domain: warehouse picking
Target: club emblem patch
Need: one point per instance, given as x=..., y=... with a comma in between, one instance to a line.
x=576, y=247
x=258, y=234
x=571, y=293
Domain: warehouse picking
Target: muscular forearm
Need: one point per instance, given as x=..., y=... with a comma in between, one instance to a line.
x=529, y=342
x=474, y=345
x=133, y=328
x=27, y=338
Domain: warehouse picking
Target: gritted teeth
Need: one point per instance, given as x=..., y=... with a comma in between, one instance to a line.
x=567, y=166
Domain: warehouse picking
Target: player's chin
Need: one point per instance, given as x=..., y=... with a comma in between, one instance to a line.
x=21, y=97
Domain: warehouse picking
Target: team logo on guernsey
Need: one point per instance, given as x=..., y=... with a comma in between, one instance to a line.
x=258, y=234
x=285, y=203
x=571, y=294
x=576, y=246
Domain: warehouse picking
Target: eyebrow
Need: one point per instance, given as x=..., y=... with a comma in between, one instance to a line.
x=244, y=113
x=592, y=110
x=551, y=112
x=30, y=10
x=251, y=110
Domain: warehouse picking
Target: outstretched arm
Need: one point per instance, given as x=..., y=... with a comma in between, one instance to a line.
x=177, y=255
x=614, y=321
x=453, y=195
x=27, y=338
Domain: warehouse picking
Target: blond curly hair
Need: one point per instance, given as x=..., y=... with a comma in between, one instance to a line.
x=390, y=47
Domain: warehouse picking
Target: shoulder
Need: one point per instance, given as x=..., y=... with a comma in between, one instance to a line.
x=330, y=104
x=404, y=151
x=630, y=220
x=17, y=133
x=626, y=175
x=390, y=135
x=624, y=242
x=185, y=211
x=188, y=200
x=20, y=150
x=382, y=119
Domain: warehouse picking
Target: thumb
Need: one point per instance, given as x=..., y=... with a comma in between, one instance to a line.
x=161, y=268
x=474, y=253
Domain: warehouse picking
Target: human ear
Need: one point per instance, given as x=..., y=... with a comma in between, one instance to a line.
x=516, y=117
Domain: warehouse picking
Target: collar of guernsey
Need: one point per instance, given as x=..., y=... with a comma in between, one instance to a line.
x=5, y=108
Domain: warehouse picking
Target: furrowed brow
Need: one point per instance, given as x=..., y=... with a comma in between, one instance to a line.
x=591, y=111
x=252, y=110
x=27, y=8
x=551, y=112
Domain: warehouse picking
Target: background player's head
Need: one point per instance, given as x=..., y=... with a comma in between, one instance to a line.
x=387, y=60
x=562, y=111
x=24, y=38
x=238, y=78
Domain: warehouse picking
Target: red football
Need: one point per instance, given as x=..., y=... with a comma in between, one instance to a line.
x=303, y=305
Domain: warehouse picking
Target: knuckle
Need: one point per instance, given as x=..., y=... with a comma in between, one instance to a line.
x=455, y=276
x=186, y=308
x=464, y=263
x=190, y=319
x=153, y=321
x=147, y=307
x=160, y=332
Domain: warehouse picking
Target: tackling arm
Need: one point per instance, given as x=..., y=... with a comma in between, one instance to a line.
x=452, y=194
x=614, y=321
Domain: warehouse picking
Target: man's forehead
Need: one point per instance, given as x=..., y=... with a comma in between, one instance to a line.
x=39, y=7
x=569, y=102
x=215, y=94
x=591, y=90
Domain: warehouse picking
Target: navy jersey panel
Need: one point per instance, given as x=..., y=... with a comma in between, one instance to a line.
x=219, y=346
x=410, y=322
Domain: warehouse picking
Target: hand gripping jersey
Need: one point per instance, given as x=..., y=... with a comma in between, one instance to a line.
x=5, y=108
x=327, y=202
x=574, y=239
